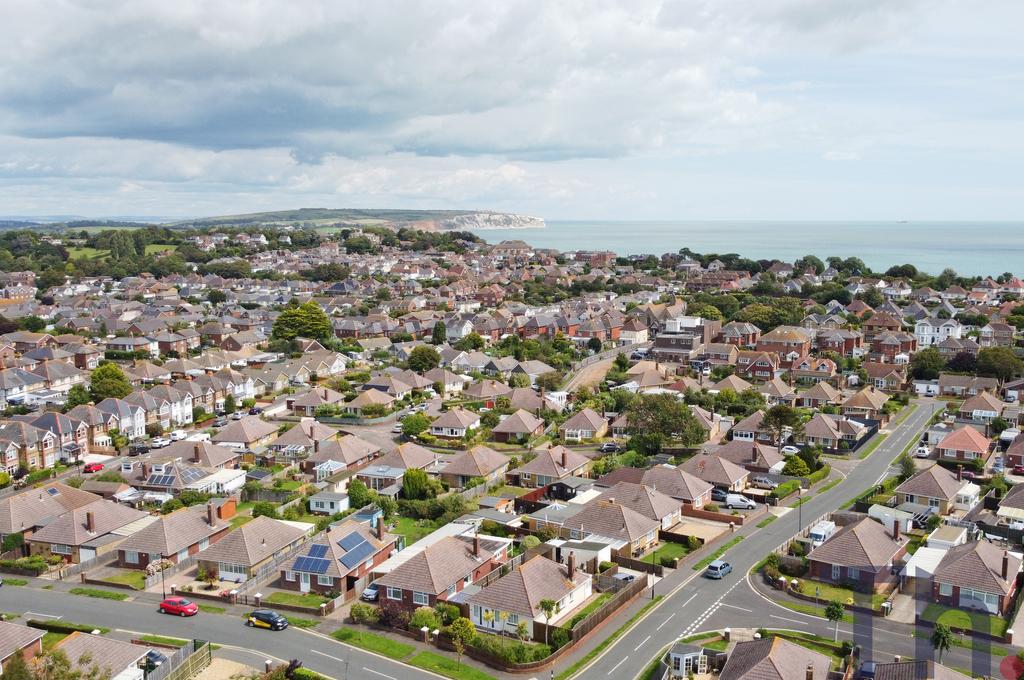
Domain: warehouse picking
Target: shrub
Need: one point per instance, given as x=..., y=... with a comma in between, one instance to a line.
x=447, y=612
x=512, y=652
x=34, y=563
x=393, y=615
x=605, y=566
x=559, y=637
x=424, y=616
x=785, y=489
x=364, y=613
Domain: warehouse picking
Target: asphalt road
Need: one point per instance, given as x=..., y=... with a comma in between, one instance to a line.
x=252, y=646
x=693, y=600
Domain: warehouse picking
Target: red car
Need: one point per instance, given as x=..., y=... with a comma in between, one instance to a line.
x=179, y=606
x=1018, y=469
x=93, y=467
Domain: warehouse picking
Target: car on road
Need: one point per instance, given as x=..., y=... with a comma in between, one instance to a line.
x=422, y=407
x=178, y=435
x=737, y=501
x=922, y=452
x=137, y=449
x=159, y=442
x=790, y=450
x=397, y=429
x=609, y=447
x=718, y=495
x=93, y=467
x=237, y=415
x=220, y=421
x=266, y=618
x=255, y=411
x=762, y=482
x=1018, y=469
x=718, y=569
x=371, y=593
x=179, y=606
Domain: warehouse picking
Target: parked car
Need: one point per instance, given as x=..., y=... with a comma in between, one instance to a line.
x=93, y=467
x=1018, y=469
x=790, y=450
x=220, y=421
x=154, y=659
x=968, y=474
x=997, y=464
x=625, y=578
x=609, y=447
x=397, y=429
x=718, y=495
x=718, y=569
x=762, y=482
x=179, y=606
x=922, y=452
x=737, y=501
x=266, y=618
x=159, y=442
x=137, y=449
x=371, y=593
x=237, y=415
x=255, y=411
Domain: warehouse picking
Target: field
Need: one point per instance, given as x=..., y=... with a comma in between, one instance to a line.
x=94, y=253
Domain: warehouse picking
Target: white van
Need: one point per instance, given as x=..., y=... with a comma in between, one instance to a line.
x=198, y=437
x=821, y=532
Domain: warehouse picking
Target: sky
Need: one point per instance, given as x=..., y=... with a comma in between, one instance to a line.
x=596, y=109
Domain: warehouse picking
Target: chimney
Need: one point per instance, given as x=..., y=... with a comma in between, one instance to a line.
x=210, y=514
x=476, y=544
x=809, y=673
x=1006, y=565
x=611, y=501
x=316, y=446
x=195, y=452
x=959, y=473
x=311, y=430
x=145, y=470
x=753, y=452
x=565, y=457
x=896, y=529
x=90, y=526
x=379, y=529
x=325, y=394
x=570, y=563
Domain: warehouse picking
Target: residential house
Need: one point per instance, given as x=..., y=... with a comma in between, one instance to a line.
x=965, y=385
x=938, y=488
x=717, y=471
x=820, y=395
x=518, y=427
x=19, y=640
x=774, y=658
x=339, y=562
x=369, y=398
x=753, y=456
x=88, y=531
x=983, y=407
x=479, y=462
x=455, y=424
x=391, y=467
x=584, y=425
x=239, y=555
x=246, y=433
x=789, y=342
x=868, y=403
x=833, y=432
x=646, y=500
x=112, y=658
x=548, y=466
x=864, y=554
x=964, y=444
x=177, y=536
x=932, y=330
x=634, y=533
x=977, y=576
x=684, y=487
x=24, y=512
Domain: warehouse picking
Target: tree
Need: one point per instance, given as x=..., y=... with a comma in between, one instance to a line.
x=439, y=335
x=927, y=364
x=594, y=345
x=470, y=342
x=77, y=396
x=519, y=380
x=1000, y=363
x=942, y=639
x=963, y=362
x=108, y=381
x=780, y=418
x=415, y=424
x=229, y=404
x=264, y=509
x=216, y=296
x=654, y=419
x=834, y=612
x=33, y=323
x=796, y=467
x=423, y=358
x=418, y=486
x=358, y=494
x=307, y=320
x=549, y=381
x=907, y=468
x=549, y=607
x=462, y=633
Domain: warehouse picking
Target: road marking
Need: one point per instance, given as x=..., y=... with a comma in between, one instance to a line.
x=732, y=606
x=616, y=667
x=45, y=616
x=690, y=600
x=384, y=675
x=665, y=621
x=783, y=618
x=317, y=651
x=642, y=643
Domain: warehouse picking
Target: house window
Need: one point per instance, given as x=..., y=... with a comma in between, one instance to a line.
x=289, y=576
x=853, y=573
x=513, y=619
x=131, y=556
x=945, y=589
x=574, y=534
x=325, y=580
x=836, y=572
x=420, y=598
x=394, y=593
x=451, y=590
x=204, y=544
x=60, y=549
x=933, y=502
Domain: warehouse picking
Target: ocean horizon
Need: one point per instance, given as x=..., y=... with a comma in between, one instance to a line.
x=971, y=248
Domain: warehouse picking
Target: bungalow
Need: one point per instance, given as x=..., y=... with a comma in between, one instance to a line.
x=647, y=501
x=104, y=657
x=837, y=433
x=753, y=456
x=339, y=562
x=518, y=427
x=347, y=453
x=688, y=489
x=771, y=657
x=240, y=554
x=867, y=403
x=977, y=576
x=751, y=428
x=719, y=472
x=516, y=598
x=391, y=467
x=327, y=503
x=549, y=466
x=863, y=554
x=87, y=532
x=369, y=398
x=246, y=433
x=820, y=395
x=478, y=462
x=938, y=488
x=983, y=407
x=455, y=424
x=587, y=424
x=18, y=640
x=890, y=377
x=964, y=444
x=177, y=536
x=965, y=385
x=307, y=404
x=1015, y=451
x=610, y=519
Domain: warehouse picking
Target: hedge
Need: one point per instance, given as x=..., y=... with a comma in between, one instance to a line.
x=34, y=565
x=64, y=626
x=508, y=651
x=819, y=475
x=785, y=489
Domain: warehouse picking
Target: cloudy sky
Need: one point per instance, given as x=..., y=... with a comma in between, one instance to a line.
x=651, y=109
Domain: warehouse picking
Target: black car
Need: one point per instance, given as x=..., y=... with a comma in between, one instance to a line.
x=266, y=618
x=255, y=411
x=154, y=659
x=137, y=449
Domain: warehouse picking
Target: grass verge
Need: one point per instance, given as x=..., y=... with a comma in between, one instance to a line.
x=15, y=582
x=835, y=482
x=377, y=644
x=211, y=609
x=715, y=555
x=870, y=448
x=302, y=623
x=967, y=643
x=809, y=609
x=99, y=594
x=164, y=640
x=766, y=521
x=592, y=654
x=442, y=665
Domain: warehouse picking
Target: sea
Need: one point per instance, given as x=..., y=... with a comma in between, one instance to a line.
x=971, y=248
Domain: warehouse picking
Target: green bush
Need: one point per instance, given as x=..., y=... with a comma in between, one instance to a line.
x=34, y=563
x=605, y=566
x=447, y=612
x=559, y=637
x=819, y=475
x=364, y=613
x=424, y=616
x=38, y=476
x=512, y=651
x=785, y=489
x=13, y=541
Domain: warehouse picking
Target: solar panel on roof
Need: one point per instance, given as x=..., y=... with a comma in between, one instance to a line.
x=351, y=541
x=53, y=491
x=160, y=480
x=360, y=553
x=312, y=565
x=317, y=550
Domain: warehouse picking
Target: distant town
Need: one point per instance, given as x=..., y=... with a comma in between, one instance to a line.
x=408, y=453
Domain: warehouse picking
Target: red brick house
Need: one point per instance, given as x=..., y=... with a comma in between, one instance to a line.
x=977, y=576
x=787, y=341
x=861, y=554
x=340, y=561
x=16, y=639
x=177, y=536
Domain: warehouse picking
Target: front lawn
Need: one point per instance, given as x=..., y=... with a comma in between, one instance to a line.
x=827, y=592
x=412, y=529
x=128, y=577
x=958, y=619
x=668, y=551
x=99, y=594
x=307, y=600
x=449, y=668
x=373, y=643
x=589, y=609
x=506, y=490
x=302, y=623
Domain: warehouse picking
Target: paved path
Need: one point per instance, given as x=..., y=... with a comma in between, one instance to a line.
x=694, y=603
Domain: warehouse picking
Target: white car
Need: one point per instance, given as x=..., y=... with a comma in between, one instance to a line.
x=397, y=429
x=159, y=443
x=790, y=450
x=178, y=435
x=922, y=452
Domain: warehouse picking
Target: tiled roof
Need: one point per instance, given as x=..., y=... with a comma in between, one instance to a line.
x=253, y=542
x=173, y=532
x=522, y=590
x=477, y=462
x=978, y=565
x=862, y=544
x=437, y=567
x=933, y=482
x=774, y=658
x=611, y=519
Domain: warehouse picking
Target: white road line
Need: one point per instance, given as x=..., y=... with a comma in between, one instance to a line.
x=642, y=643
x=690, y=600
x=742, y=609
x=383, y=675
x=616, y=667
x=317, y=651
x=666, y=620
x=783, y=618
x=29, y=615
